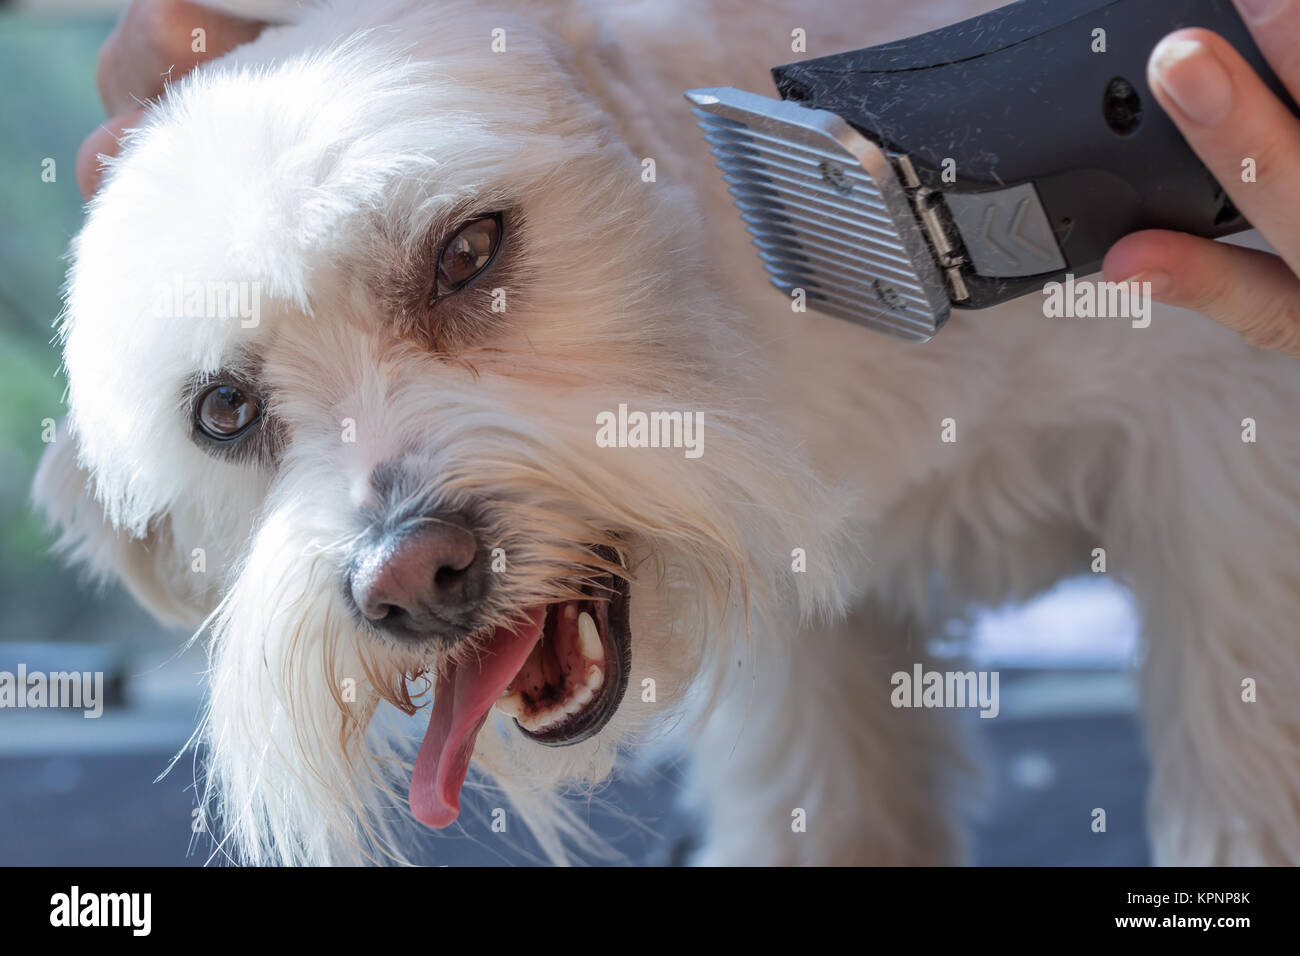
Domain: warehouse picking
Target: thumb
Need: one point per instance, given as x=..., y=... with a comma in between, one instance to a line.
x=1254, y=293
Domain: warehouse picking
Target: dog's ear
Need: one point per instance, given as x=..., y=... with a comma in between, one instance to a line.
x=150, y=567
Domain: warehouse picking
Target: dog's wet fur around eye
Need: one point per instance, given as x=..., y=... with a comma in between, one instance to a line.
x=404, y=285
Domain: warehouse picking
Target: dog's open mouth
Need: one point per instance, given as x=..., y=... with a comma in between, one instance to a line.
x=561, y=674
x=565, y=692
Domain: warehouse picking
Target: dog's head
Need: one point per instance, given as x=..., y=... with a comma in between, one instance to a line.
x=370, y=339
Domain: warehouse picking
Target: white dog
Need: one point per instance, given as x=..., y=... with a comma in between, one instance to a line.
x=376, y=473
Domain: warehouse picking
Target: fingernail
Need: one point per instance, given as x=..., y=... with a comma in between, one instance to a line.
x=1259, y=11
x=1194, y=79
x=1159, y=283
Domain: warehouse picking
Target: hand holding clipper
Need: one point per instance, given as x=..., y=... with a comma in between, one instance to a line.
x=973, y=164
x=1249, y=141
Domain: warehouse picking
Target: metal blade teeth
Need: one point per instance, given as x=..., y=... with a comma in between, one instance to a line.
x=821, y=224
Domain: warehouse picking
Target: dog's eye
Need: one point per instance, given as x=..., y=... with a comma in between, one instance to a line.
x=226, y=411
x=467, y=252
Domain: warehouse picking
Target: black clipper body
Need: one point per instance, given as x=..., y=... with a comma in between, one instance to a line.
x=970, y=165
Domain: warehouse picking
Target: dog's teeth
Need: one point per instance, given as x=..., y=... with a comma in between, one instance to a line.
x=542, y=721
x=589, y=637
x=581, y=695
x=570, y=610
x=510, y=704
x=580, y=700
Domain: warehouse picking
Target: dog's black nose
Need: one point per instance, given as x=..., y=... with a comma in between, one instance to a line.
x=422, y=581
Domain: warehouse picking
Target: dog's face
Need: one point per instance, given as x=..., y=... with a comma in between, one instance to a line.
x=341, y=333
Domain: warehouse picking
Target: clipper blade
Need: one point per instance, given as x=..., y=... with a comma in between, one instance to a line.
x=827, y=210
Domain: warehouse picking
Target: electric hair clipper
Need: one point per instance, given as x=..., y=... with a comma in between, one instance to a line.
x=969, y=165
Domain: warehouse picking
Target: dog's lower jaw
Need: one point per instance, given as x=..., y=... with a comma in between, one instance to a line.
x=575, y=679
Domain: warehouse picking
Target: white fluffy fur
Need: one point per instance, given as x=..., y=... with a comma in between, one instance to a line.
x=312, y=158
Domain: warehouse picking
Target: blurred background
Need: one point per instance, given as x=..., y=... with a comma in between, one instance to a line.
x=75, y=791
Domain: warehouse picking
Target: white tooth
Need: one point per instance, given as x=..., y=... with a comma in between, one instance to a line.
x=542, y=721
x=511, y=704
x=589, y=637
x=570, y=610
x=595, y=677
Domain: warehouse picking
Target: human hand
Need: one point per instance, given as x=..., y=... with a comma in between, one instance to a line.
x=153, y=43
x=1228, y=115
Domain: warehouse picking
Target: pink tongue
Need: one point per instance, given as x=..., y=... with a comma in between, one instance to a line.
x=461, y=701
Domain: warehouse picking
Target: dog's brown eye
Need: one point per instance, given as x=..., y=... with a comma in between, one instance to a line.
x=226, y=411
x=467, y=252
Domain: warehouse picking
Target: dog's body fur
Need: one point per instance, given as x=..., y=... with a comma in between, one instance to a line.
x=1071, y=434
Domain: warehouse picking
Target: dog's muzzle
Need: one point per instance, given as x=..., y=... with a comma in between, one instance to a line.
x=971, y=165
x=558, y=666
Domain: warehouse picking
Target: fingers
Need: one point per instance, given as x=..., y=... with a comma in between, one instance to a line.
x=1228, y=117
x=1247, y=290
x=154, y=42
x=1275, y=25
x=157, y=39
x=1249, y=140
x=105, y=140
